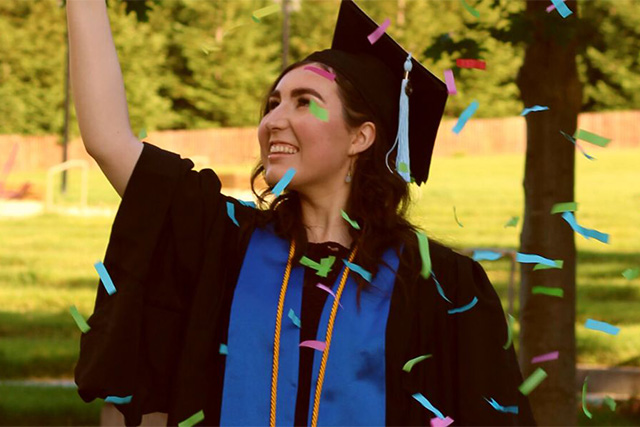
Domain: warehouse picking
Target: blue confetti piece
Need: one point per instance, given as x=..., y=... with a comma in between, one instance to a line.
x=231, y=212
x=104, y=276
x=282, y=184
x=534, y=259
x=223, y=349
x=473, y=302
x=486, y=255
x=534, y=108
x=587, y=233
x=573, y=140
x=357, y=269
x=425, y=402
x=465, y=116
x=247, y=203
x=440, y=291
x=118, y=400
x=295, y=319
x=597, y=325
x=498, y=407
x=562, y=8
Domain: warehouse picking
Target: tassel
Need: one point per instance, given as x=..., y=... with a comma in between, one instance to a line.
x=402, y=138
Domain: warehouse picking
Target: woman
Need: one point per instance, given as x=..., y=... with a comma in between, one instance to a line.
x=292, y=313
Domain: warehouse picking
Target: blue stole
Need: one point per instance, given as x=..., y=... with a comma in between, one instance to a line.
x=353, y=392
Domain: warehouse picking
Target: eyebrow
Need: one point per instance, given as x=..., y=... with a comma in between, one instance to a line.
x=299, y=91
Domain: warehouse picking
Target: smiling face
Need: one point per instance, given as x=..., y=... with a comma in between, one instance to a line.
x=291, y=136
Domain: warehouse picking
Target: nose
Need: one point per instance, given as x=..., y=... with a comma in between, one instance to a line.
x=276, y=119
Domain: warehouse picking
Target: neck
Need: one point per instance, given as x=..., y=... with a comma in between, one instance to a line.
x=322, y=217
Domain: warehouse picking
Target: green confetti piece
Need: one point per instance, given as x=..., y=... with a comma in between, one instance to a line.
x=610, y=403
x=322, y=268
x=402, y=167
x=545, y=290
x=470, y=9
x=142, y=134
x=559, y=264
x=455, y=216
x=307, y=262
x=409, y=365
x=423, y=244
x=631, y=273
x=592, y=138
x=533, y=381
x=318, y=111
x=509, y=332
x=192, y=420
x=256, y=20
x=82, y=324
x=584, y=399
x=512, y=222
x=564, y=207
x=261, y=13
x=353, y=223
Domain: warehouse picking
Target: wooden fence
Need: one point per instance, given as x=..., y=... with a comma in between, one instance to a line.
x=239, y=145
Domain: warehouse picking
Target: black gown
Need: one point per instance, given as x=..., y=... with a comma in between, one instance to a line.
x=175, y=255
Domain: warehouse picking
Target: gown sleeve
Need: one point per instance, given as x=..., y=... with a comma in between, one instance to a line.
x=153, y=257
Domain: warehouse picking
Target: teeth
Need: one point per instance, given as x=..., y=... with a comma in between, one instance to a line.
x=281, y=148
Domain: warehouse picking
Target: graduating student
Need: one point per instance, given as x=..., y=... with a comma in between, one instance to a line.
x=292, y=313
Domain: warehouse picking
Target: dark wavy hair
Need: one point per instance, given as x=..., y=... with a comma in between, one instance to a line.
x=378, y=200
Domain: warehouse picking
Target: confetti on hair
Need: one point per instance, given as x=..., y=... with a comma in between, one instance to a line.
x=357, y=269
x=559, y=264
x=423, y=244
x=534, y=259
x=587, y=233
x=425, y=402
x=584, y=398
x=564, y=207
x=223, y=349
x=410, y=363
x=450, y=82
x=471, y=63
x=465, y=116
x=578, y=146
x=231, y=213
x=486, y=255
x=316, y=345
x=631, y=273
x=509, y=332
x=82, y=324
x=438, y=422
x=375, y=36
x=498, y=407
x=105, y=278
x=533, y=381
x=192, y=420
x=533, y=109
x=326, y=74
x=546, y=290
x=470, y=9
x=116, y=400
x=247, y=203
x=546, y=357
x=512, y=222
x=605, y=327
x=353, y=223
x=295, y=319
x=284, y=181
x=562, y=8
x=439, y=288
x=455, y=216
x=319, y=112
x=325, y=288
x=464, y=308
x=261, y=13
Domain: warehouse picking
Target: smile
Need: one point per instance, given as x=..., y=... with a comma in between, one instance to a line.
x=282, y=148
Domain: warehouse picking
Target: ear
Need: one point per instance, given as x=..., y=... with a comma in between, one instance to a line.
x=362, y=138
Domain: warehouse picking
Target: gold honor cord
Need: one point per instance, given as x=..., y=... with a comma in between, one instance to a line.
x=325, y=353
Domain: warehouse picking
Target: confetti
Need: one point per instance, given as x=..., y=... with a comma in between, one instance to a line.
x=470, y=9
x=295, y=319
x=142, y=134
x=118, y=400
x=231, y=213
x=564, y=207
x=584, y=153
x=223, y=349
x=325, y=288
x=320, y=71
x=247, y=203
x=316, y=345
x=631, y=273
x=438, y=422
x=322, y=268
x=592, y=138
x=512, y=222
x=375, y=36
x=353, y=223
x=562, y=8
x=498, y=407
x=550, y=8
x=423, y=244
x=605, y=327
x=455, y=216
x=546, y=357
x=585, y=232
x=450, y=82
x=105, y=278
x=409, y=365
x=486, y=255
x=534, y=259
x=282, y=184
x=554, y=292
x=559, y=264
x=465, y=116
x=584, y=398
x=533, y=381
x=261, y=13
x=425, y=402
x=509, y=332
x=319, y=112
x=610, y=403
x=533, y=109
x=473, y=302
x=440, y=291
x=471, y=63
x=357, y=269
x=82, y=324
x=192, y=420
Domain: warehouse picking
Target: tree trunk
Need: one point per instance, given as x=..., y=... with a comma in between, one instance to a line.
x=549, y=77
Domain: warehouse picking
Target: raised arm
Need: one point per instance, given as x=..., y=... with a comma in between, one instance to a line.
x=98, y=92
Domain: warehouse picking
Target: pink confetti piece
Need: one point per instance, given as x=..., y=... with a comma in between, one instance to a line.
x=451, y=83
x=441, y=422
x=316, y=345
x=321, y=72
x=373, y=37
x=545, y=357
x=325, y=288
x=550, y=8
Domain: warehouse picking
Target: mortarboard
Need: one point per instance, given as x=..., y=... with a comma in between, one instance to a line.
x=377, y=71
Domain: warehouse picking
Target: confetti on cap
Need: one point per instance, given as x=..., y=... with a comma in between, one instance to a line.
x=465, y=116
x=455, y=216
x=423, y=244
x=247, y=203
x=375, y=36
x=440, y=291
x=295, y=319
x=533, y=109
x=353, y=223
x=316, y=345
x=564, y=207
x=439, y=422
x=223, y=349
x=357, y=269
x=231, y=213
x=105, y=278
x=585, y=232
x=325, y=288
x=509, y=332
x=142, y=134
x=534, y=259
x=464, y=308
x=610, y=402
x=605, y=327
x=82, y=324
x=320, y=71
x=546, y=357
x=562, y=8
x=425, y=402
x=261, y=13
x=409, y=365
x=498, y=407
x=584, y=398
x=319, y=112
x=572, y=139
x=450, y=82
x=470, y=9
x=546, y=290
x=282, y=184
x=533, y=381
x=559, y=264
x=512, y=222
x=486, y=255
x=471, y=63
x=192, y=420
x=631, y=273
x=116, y=400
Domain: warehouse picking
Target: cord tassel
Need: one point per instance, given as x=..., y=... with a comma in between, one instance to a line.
x=402, y=139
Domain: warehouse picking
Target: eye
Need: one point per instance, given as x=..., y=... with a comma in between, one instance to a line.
x=271, y=104
x=303, y=101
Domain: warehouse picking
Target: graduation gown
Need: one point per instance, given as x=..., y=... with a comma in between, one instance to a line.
x=175, y=256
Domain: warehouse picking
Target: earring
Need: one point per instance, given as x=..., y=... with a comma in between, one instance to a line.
x=348, y=177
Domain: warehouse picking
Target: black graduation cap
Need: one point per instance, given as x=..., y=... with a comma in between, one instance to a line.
x=377, y=71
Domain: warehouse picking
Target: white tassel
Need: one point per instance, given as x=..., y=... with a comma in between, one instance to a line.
x=402, y=138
